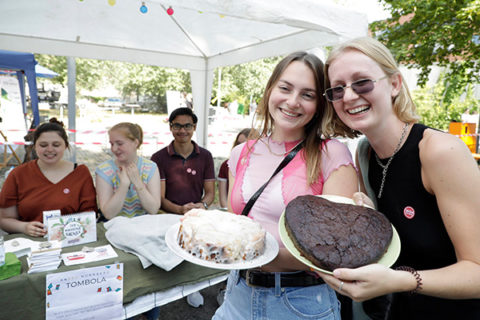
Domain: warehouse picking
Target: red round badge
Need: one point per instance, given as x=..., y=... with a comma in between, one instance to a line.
x=409, y=212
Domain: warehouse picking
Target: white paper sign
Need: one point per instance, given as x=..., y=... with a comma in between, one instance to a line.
x=11, y=110
x=91, y=293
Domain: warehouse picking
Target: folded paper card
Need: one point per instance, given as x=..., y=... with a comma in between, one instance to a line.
x=49, y=214
x=90, y=255
x=73, y=229
x=22, y=246
x=19, y=246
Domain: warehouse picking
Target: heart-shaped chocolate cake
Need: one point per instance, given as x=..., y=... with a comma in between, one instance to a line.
x=333, y=235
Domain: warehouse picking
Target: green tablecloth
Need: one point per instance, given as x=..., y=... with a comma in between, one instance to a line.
x=23, y=296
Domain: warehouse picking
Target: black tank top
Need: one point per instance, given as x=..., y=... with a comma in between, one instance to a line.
x=425, y=243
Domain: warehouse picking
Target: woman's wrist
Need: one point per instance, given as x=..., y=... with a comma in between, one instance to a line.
x=23, y=226
x=414, y=279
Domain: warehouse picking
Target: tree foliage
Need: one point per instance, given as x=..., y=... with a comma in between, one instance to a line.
x=143, y=82
x=434, y=32
x=90, y=73
x=438, y=114
x=245, y=82
x=132, y=80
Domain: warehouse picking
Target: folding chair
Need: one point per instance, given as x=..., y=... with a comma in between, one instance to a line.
x=6, y=155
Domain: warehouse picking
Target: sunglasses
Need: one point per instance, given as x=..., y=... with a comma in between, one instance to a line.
x=178, y=126
x=359, y=87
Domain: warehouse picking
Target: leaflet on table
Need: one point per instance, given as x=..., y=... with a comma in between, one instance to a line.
x=87, y=293
x=45, y=256
x=97, y=254
x=23, y=246
x=73, y=229
x=34, y=267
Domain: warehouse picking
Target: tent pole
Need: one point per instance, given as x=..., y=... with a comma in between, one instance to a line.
x=202, y=81
x=219, y=92
x=71, y=66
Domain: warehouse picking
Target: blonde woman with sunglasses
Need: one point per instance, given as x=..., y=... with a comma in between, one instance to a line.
x=425, y=181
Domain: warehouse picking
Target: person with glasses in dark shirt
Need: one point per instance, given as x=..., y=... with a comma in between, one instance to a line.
x=187, y=174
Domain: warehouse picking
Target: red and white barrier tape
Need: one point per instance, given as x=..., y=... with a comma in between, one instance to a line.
x=220, y=134
x=21, y=143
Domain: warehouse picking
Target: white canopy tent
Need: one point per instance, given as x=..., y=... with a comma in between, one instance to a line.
x=200, y=35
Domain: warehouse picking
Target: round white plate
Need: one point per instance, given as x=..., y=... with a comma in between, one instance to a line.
x=271, y=251
x=388, y=258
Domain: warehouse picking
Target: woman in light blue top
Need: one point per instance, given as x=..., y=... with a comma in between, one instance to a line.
x=128, y=185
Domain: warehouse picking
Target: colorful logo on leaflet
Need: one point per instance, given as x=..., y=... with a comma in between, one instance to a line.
x=72, y=230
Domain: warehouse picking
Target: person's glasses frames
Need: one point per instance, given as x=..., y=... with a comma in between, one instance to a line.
x=359, y=87
x=178, y=126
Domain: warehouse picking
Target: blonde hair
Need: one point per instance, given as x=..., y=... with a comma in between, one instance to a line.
x=132, y=131
x=403, y=104
x=318, y=128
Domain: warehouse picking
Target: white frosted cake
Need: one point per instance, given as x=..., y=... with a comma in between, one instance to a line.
x=221, y=236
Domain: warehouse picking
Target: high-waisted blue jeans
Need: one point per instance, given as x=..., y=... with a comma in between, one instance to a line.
x=259, y=303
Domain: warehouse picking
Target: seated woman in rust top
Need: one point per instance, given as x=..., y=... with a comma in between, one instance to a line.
x=47, y=183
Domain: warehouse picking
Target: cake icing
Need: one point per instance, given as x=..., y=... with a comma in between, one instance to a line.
x=221, y=236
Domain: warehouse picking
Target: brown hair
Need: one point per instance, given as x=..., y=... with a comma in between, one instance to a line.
x=248, y=133
x=52, y=125
x=316, y=130
x=132, y=131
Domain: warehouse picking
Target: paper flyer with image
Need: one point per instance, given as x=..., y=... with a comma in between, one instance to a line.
x=91, y=293
x=73, y=229
x=50, y=214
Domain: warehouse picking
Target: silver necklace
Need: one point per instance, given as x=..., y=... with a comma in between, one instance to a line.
x=385, y=166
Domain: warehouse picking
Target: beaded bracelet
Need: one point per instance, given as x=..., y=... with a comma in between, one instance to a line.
x=415, y=274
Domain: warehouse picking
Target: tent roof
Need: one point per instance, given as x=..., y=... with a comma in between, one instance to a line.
x=199, y=36
x=11, y=60
x=17, y=60
x=219, y=32
x=43, y=72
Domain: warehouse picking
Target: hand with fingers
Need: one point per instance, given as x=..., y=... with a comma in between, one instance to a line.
x=363, y=283
x=361, y=199
x=133, y=174
x=123, y=175
x=189, y=206
x=35, y=229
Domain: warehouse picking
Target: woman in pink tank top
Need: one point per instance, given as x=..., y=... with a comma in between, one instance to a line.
x=293, y=113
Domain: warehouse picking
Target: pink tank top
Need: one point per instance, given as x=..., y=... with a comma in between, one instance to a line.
x=253, y=168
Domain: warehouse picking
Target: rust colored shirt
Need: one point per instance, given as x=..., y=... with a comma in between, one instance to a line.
x=27, y=188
